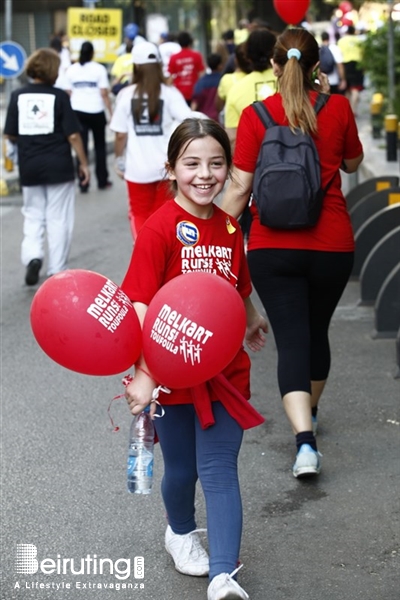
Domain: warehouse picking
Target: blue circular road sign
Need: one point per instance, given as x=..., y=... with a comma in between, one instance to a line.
x=12, y=59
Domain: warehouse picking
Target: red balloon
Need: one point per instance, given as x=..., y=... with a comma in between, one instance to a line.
x=291, y=11
x=346, y=21
x=86, y=323
x=194, y=327
x=345, y=7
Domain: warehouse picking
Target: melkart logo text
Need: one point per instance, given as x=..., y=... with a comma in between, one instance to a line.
x=28, y=564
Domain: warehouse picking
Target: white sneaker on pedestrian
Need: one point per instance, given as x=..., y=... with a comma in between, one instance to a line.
x=223, y=587
x=189, y=556
x=307, y=462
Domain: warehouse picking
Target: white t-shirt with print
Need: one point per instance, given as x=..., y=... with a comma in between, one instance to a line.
x=85, y=82
x=147, y=143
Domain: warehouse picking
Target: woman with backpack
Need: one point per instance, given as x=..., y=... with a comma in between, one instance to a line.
x=300, y=274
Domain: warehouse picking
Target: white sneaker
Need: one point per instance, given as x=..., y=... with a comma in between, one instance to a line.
x=189, y=556
x=307, y=462
x=223, y=587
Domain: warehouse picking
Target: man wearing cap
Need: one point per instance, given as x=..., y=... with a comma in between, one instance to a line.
x=122, y=68
x=131, y=32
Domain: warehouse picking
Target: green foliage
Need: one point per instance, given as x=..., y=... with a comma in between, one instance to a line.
x=375, y=61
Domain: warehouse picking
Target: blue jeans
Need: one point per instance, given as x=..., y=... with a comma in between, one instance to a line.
x=211, y=455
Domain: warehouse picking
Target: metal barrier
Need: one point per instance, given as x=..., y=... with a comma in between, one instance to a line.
x=384, y=256
x=387, y=306
x=371, y=232
x=371, y=204
x=375, y=184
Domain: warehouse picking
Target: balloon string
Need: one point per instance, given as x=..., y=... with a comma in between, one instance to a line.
x=125, y=380
x=156, y=392
x=115, y=427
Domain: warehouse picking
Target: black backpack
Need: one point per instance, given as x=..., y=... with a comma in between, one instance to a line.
x=287, y=178
x=326, y=60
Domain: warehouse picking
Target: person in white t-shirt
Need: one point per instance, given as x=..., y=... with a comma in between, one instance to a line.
x=336, y=77
x=167, y=47
x=145, y=115
x=87, y=83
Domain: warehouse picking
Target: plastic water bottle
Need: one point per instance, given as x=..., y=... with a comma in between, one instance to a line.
x=141, y=454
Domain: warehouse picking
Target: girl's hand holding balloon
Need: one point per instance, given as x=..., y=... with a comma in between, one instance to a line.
x=139, y=392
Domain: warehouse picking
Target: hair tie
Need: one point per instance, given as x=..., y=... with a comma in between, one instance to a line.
x=294, y=52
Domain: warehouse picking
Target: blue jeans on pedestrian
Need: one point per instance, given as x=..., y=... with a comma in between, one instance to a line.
x=211, y=455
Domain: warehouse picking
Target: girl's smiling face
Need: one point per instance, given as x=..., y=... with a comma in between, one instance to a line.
x=200, y=173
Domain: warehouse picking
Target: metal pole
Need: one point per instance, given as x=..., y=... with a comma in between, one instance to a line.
x=390, y=64
x=8, y=37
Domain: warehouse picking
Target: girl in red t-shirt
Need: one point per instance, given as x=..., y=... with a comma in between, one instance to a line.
x=199, y=157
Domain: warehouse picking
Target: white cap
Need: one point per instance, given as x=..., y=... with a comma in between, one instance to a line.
x=145, y=53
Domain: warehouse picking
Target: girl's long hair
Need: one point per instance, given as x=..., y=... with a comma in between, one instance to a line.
x=295, y=78
x=148, y=79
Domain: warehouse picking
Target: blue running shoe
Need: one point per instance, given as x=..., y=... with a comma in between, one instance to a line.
x=307, y=462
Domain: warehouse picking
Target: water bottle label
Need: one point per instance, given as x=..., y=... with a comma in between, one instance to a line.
x=143, y=464
x=131, y=464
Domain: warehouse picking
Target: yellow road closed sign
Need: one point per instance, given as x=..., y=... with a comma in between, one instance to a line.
x=102, y=27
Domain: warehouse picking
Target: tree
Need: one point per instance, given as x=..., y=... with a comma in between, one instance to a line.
x=375, y=61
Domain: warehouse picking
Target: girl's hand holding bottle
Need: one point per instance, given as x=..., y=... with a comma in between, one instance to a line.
x=139, y=392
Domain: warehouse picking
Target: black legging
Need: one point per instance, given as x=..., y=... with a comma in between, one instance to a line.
x=95, y=122
x=300, y=290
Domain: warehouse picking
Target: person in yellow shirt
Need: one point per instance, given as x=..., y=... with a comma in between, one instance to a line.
x=351, y=47
x=241, y=33
x=256, y=85
x=228, y=80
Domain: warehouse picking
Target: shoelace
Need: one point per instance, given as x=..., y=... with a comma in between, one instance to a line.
x=231, y=575
x=195, y=543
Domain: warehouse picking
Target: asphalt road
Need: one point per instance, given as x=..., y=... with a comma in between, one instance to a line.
x=63, y=468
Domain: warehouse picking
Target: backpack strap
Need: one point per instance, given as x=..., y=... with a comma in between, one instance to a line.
x=320, y=102
x=322, y=99
x=264, y=115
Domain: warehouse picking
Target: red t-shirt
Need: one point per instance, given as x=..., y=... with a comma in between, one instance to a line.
x=337, y=140
x=173, y=242
x=185, y=67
